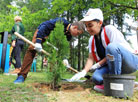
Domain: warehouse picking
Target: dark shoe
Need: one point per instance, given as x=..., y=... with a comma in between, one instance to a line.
x=19, y=80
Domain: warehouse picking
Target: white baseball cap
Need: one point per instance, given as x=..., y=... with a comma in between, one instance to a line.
x=93, y=14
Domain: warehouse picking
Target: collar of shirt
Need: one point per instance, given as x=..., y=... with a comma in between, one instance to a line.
x=68, y=28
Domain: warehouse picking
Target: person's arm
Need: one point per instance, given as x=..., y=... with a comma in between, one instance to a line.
x=89, y=63
x=13, y=37
x=42, y=32
x=102, y=62
x=87, y=67
x=22, y=29
x=12, y=33
x=39, y=36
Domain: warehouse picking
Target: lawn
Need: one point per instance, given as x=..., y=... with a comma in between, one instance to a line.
x=34, y=90
x=10, y=92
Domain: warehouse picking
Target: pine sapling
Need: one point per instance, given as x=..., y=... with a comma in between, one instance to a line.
x=56, y=68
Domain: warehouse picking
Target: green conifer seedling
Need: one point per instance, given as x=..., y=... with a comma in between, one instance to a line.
x=56, y=68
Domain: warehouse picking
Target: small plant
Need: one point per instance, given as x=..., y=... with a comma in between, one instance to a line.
x=56, y=68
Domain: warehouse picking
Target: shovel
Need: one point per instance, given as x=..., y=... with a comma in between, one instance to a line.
x=29, y=42
x=43, y=51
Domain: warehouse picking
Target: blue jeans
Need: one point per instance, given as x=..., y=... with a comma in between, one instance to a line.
x=119, y=61
x=97, y=76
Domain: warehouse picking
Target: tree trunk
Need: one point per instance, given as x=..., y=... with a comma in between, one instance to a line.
x=83, y=51
x=79, y=52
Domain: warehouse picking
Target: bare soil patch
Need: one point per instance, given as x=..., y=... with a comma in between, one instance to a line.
x=69, y=92
x=66, y=87
x=76, y=92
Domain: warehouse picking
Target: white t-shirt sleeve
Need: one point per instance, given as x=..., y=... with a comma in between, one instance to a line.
x=90, y=44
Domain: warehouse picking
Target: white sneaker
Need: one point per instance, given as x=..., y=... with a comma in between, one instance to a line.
x=135, y=85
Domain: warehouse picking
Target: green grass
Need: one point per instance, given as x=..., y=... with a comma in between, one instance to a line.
x=10, y=92
x=25, y=92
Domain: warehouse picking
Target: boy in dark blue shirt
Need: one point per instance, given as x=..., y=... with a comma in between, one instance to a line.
x=42, y=32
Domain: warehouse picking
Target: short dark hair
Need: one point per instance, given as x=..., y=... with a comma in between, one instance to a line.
x=80, y=25
x=97, y=20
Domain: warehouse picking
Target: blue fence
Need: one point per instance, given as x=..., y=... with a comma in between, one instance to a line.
x=7, y=59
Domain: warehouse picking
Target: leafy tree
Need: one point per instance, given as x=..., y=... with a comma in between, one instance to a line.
x=33, y=5
x=3, y=6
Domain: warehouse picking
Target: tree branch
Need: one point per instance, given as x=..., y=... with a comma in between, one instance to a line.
x=119, y=5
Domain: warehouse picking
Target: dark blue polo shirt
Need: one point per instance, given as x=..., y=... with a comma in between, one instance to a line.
x=46, y=27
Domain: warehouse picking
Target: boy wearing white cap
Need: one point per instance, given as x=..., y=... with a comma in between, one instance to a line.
x=108, y=48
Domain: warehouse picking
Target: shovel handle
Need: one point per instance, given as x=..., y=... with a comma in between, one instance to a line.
x=29, y=42
x=74, y=70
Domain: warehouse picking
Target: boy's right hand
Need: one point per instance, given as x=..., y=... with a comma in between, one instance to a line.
x=38, y=47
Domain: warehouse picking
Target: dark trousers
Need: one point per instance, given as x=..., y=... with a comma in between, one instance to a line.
x=16, y=53
x=28, y=58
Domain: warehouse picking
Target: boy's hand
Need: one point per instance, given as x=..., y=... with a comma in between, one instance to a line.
x=78, y=76
x=38, y=47
x=13, y=43
x=66, y=63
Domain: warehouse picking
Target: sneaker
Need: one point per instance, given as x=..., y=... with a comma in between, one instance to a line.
x=19, y=80
x=16, y=71
x=99, y=88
